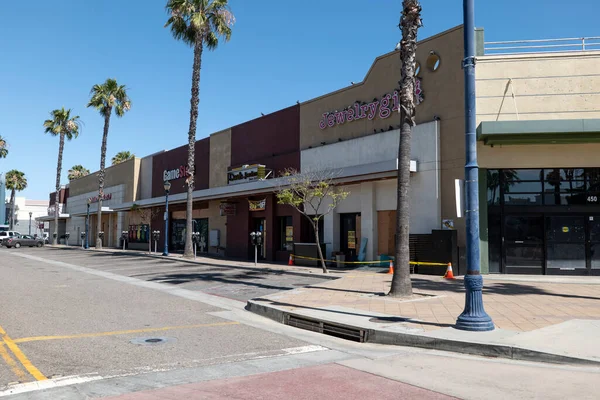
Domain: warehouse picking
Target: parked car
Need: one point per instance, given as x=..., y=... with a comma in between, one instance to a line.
x=22, y=240
x=6, y=235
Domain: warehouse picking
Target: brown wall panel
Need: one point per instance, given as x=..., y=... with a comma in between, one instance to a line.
x=175, y=159
x=272, y=140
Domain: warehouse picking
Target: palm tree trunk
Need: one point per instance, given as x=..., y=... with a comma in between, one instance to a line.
x=410, y=22
x=101, y=178
x=61, y=146
x=12, y=209
x=320, y=252
x=195, y=100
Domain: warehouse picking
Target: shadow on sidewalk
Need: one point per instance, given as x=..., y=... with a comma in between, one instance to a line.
x=406, y=319
x=500, y=288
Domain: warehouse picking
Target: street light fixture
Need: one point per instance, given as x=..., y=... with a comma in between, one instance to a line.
x=30, y=214
x=87, y=225
x=167, y=186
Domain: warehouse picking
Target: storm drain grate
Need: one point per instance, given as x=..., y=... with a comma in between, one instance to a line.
x=327, y=328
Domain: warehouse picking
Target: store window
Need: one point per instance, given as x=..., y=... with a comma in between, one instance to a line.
x=549, y=186
x=286, y=234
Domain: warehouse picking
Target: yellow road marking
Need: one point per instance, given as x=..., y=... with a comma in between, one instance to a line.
x=114, y=333
x=33, y=371
x=15, y=368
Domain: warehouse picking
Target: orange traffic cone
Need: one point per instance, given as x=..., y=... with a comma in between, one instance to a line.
x=391, y=270
x=449, y=274
x=291, y=260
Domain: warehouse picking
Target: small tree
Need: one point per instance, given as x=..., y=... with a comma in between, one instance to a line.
x=146, y=215
x=313, y=194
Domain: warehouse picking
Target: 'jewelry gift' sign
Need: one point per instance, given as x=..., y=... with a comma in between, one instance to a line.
x=378, y=108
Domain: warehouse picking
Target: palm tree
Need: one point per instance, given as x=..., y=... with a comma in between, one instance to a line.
x=3, y=148
x=122, y=156
x=64, y=126
x=15, y=182
x=198, y=23
x=410, y=21
x=78, y=171
x=104, y=98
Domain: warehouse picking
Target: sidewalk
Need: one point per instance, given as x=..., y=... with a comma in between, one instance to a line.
x=553, y=318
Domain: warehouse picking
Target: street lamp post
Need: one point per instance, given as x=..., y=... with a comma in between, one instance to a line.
x=87, y=225
x=474, y=317
x=30, y=214
x=167, y=188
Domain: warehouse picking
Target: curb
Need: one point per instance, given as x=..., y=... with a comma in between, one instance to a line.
x=428, y=342
x=184, y=260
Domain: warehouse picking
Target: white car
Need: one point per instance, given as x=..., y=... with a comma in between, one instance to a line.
x=7, y=234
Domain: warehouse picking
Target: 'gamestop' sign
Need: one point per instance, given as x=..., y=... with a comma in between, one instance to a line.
x=378, y=108
x=174, y=174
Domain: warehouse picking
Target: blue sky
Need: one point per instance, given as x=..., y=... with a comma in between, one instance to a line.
x=281, y=51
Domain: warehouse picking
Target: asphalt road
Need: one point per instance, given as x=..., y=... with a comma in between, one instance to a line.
x=69, y=321
x=75, y=325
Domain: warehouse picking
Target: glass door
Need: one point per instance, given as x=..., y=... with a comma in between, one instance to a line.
x=565, y=245
x=594, y=244
x=524, y=244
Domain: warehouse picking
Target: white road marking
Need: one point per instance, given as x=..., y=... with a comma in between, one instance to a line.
x=48, y=384
x=304, y=349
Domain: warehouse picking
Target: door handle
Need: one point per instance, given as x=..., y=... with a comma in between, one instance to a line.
x=519, y=241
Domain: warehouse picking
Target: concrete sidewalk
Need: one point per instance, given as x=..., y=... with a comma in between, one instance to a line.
x=554, y=321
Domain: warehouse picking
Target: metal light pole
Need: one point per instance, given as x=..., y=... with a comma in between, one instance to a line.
x=30, y=214
x=474, y=317
x=167, y=188
x=87, y=226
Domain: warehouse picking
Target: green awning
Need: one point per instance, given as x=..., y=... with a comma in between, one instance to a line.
x=557, y=131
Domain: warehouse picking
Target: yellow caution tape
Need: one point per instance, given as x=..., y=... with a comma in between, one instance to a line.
x=368, y=262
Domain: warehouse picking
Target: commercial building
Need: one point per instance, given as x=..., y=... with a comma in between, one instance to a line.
x=25, y=215
x=538, y=123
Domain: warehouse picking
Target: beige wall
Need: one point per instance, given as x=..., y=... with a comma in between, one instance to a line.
x=220, y=158
x=126, y=173
x=443, y=94
x=545, y=86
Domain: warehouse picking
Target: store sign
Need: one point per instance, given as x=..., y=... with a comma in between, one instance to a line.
x=52, y=208
x=174, y=174
x=106, y=196
x=379, y=108
x=246, y=173
x=227, y=209
x=258, y=205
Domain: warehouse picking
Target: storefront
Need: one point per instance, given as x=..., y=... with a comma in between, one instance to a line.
x=544, y=221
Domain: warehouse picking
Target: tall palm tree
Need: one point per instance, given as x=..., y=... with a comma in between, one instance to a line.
x=105, y=98
x=3, y=147
x=15, y=182
x=122, y=156
x=63, y=125
x=78, y=171
x=410, y=21
x=198, y=23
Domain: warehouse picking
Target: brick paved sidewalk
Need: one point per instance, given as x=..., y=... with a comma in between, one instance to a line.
x=517, y=306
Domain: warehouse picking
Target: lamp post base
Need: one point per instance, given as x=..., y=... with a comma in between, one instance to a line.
x=474, y=318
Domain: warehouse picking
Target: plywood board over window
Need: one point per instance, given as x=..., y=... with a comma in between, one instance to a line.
x=386, y=229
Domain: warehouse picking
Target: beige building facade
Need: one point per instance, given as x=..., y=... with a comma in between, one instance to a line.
x=539, y=128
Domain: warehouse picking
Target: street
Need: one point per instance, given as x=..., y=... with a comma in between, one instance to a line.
x=79, y=325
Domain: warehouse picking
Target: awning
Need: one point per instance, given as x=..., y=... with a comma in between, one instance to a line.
x=380, y=170
x=558, y=131
x=51, y=217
